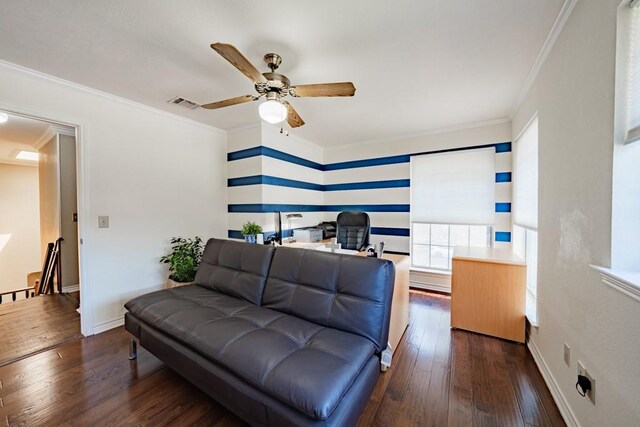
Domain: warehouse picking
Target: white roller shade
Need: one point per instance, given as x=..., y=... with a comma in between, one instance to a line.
x=633, y=85
x=454, y=188
x=525, y=177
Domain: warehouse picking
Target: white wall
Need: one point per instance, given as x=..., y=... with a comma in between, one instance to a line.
x=574, y=97
x=265, y=135
x=19, y=226
x=156, y=175
x=472, y=136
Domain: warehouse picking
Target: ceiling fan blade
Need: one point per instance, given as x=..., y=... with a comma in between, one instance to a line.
x=229, y=102
x=293, y=118
x=324, y=89
x=236, y=59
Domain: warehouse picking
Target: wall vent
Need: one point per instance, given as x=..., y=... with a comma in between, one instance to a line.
x=178, y=100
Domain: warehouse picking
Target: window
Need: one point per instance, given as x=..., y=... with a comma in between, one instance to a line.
x=624, y=272
x=432, y=244
x=452, y=203
x=632, y=84
x=525, y=209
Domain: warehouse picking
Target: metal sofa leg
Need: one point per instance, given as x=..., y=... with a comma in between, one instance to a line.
x=133, y=349
x=385, y=360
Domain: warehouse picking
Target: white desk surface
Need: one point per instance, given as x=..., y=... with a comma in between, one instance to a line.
x=499, y=256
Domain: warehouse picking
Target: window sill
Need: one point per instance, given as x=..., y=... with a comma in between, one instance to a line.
x=627, y=282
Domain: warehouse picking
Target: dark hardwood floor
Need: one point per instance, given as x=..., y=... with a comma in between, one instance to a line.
x=439, y=377
x=31, y=325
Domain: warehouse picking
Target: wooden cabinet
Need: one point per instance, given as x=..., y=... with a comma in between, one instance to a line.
x=488, y=292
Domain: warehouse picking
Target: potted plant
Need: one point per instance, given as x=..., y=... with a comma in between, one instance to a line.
x=250, y=230
x=183, y=259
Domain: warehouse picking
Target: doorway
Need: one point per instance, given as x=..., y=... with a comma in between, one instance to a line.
x=38, y=207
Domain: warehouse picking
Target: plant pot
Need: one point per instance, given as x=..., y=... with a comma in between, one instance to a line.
x=173, y=284
x=250, y=239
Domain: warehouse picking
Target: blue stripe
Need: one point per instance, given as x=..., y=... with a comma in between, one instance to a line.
x=370, y=185
x=390, y=231
x=503, y=207
x=503, y=236
x=368, y=162
x=245, y=180
x=396, y=253
x=503, y=177
x=244, y=154
x=366, y=208
x=275, y=154
x=283, y=182
x=501, y=147
x=237, y=234
x=265, y=207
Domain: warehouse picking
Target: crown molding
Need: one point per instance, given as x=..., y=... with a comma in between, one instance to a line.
x=16, y=162
x=44, y=138
x=552, y=37
x=18, y=68
x=434, y=131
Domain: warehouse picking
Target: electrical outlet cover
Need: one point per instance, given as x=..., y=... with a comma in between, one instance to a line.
x=567, y=354
x=591, y=394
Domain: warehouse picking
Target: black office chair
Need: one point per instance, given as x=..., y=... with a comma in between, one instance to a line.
x=353, y=230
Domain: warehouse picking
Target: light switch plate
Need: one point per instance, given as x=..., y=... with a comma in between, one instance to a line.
x=103, y=221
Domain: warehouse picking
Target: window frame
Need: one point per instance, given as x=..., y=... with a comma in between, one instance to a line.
x=531, y=305
x=490, y=241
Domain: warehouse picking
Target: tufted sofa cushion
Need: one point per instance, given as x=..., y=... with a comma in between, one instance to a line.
x=344, y=292
x=235, y=268
x=305, y=365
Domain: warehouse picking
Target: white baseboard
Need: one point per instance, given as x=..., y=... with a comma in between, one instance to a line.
x=563, y=406
x=109, y=324
x=67, y=289
x=430, y=280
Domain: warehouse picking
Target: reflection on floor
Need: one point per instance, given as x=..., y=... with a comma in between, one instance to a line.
x=439, y=377
x=32, y=325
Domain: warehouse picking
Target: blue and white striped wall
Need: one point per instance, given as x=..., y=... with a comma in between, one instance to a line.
x=268, y=171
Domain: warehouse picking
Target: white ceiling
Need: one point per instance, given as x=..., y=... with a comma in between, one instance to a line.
x=417, y=65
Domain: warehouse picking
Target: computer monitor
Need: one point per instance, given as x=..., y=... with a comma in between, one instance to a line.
x=278, y=222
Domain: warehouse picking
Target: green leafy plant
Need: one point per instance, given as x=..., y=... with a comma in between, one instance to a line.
x=184, y=258
x=251, y=229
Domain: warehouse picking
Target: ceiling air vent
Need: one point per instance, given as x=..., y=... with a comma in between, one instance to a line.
x=178, y=100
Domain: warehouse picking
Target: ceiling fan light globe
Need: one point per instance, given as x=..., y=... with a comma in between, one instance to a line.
x=272, y=111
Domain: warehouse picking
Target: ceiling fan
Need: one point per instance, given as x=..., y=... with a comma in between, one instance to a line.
x=274, y=87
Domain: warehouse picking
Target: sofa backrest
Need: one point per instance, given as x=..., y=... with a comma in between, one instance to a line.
x=345, y=292
x=234, y=268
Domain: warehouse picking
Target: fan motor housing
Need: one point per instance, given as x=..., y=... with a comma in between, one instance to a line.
x=275, y=83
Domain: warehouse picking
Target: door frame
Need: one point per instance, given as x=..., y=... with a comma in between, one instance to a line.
x=86, y=301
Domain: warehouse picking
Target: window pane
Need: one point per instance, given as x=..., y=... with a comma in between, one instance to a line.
x=532, y=262
x=440, y=234
x=518, y=242
x=440, y=257
x=421, y=233
x=478, y=236
x=459, y=235
x=420, y=256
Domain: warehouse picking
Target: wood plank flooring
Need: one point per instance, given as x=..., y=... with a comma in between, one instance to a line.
x=439, y=377
x=31, y=325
